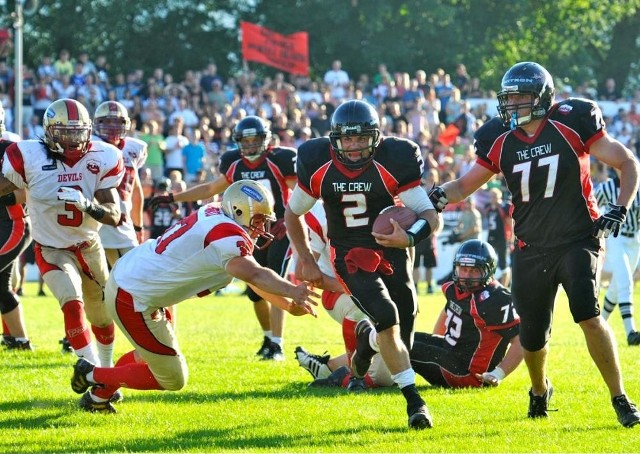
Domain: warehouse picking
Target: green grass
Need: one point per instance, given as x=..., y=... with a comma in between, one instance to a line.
x=236, y=403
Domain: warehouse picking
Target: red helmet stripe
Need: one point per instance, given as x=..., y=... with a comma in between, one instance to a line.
x=72, y=110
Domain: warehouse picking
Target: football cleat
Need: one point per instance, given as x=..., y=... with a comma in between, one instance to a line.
x=420, y=418
x=13, y=344
x=539, y=405
x=90, y=405
x=79, y=382
x=66, y=346
x=116, y=397
x=627, y=412
x=336, y=378
x=264, y=348
x=316, y=365
x=361, y=359
x=633, y=338
x=356, y=385
x=274, y=353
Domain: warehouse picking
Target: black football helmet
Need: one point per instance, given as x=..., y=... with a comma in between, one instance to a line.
x=252, y=126
x=355, y=118
x=478, y=254
x=525, y=78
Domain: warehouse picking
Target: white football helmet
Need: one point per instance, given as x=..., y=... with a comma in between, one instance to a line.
x=111, y=122
x=250, y=204
x=67, y=127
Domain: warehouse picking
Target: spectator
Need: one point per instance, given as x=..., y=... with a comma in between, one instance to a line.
x=63, y=65
x=338, y=82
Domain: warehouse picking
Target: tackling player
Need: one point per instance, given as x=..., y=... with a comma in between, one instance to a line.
x=274, y=167
x=199, y=255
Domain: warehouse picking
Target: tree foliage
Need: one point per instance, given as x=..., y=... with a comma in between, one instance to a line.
x=577, y=40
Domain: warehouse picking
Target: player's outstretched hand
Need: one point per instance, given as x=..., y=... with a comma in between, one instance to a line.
x=488, y=379
x=610, y=222
x=302, y=298
x=399, y=238
x=157, y=200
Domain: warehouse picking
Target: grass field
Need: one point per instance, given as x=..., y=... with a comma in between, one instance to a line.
x=236, y=403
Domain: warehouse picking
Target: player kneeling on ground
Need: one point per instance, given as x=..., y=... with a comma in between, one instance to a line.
x=199, y=255
x=475, y=340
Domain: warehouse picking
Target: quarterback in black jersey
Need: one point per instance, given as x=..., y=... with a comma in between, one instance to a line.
x=274, y=167
x=543, y=149
x=358, y=173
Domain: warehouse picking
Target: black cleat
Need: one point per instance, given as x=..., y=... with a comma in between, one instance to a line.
x=116, y=397
x=627, y=412
x=79, y=382
x=335, y=379
x=90, y=405
x=361, y=358
x=539, y=405
x=633, y=338
x=316, y=365
x=264, y=348
x=13, y=344
x=274, y=353
x=66, y=346
x=420, y=418
x=356, y=385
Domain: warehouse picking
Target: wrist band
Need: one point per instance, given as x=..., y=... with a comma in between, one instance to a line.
x=498, y=373
x=137, y=228
x=95, y=211
x=419, y=231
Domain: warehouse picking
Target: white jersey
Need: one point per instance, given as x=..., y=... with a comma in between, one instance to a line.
x=316, y=219
x=189, y=259
x=134, y=154
x=11, y=136
x=55, y=223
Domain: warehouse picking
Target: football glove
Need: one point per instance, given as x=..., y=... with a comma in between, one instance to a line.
x=157, y=200
x=610, y=222
x=438, y=198
x=75, y=197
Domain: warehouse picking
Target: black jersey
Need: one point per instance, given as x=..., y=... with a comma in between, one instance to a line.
x=273, y=171
x=353, y=199
x=548, y=174
x=497, y=224
x=18, y=210
x=480, y=325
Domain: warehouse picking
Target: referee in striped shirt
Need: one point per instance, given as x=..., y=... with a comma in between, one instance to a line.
x=621, y=257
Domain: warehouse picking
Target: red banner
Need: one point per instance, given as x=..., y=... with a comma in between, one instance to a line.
x=289, y=53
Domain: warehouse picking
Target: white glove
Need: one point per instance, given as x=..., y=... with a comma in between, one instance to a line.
x=492, y=378
x=74, y=196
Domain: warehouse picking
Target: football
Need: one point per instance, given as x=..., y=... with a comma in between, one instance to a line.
x=402, y=215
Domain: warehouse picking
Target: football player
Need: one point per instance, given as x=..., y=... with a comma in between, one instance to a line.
x=544, y=149
x=15, y=237
x=71, y=186
x=358, y=173
x=199, y=255
x=274, y=167
x=327, y=370
x=111, y=124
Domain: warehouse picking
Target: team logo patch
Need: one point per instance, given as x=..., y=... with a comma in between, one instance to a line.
x=93, y=166
x=255, y=195
x=565, y=109
x=484, y=295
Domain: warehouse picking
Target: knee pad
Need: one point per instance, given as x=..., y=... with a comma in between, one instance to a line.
x=8, y=302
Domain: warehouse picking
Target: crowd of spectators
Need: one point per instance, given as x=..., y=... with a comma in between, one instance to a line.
x=187, y=119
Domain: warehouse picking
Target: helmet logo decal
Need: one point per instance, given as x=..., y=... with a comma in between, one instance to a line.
x=251, y=192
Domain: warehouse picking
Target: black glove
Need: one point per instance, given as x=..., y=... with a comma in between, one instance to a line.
x=438, y=198
x=157, y=200
x=610, y=222
x=278, y=229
